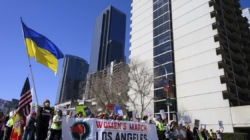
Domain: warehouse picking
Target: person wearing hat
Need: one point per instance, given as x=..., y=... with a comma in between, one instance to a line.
x=30, y=127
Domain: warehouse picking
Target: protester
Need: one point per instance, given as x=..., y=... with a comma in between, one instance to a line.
x=211, y=136
x=56, y=127
x=43, y=118
x=218, y=135
x=9, y=125
x=203, y=132
x=2, y=124
x=151, y=121
x=144, y=119
x=30, y=127
x=195, y=133
x=189, y=133
x=160, y=130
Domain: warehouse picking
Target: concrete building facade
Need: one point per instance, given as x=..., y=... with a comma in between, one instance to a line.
x=209, y=54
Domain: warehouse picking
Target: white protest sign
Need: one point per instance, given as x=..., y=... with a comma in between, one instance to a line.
x=186, y=119
x=97, y=129
x=2, y=103
x=163, y=114
x=174, y=117
x=221, y=124
x=120, y=112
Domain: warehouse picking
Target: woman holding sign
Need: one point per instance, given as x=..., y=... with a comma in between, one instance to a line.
x=56, y=127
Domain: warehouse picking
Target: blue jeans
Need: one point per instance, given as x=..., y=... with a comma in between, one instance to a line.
x=28, y=135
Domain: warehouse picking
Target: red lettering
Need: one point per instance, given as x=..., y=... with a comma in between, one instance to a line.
x=131, y=127
x=124, y=126
x=115, y=125
x=119, y=125
x=105, y=125
x=99, y=124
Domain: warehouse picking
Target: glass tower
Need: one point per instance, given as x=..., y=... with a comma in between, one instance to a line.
x=73, y=76
x=108, y=39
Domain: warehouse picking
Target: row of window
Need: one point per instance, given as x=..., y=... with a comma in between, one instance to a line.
x=160, y=20
x=161, y=29
x=161, y=71
x=160, y=11
x=159, y=3
x=162, y=48
x=162, y=38
x=162, y=105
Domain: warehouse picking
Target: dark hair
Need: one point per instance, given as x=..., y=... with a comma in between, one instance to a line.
x=145, y=118
x=60, y=112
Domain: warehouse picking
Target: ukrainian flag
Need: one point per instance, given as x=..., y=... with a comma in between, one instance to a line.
x=41, y=48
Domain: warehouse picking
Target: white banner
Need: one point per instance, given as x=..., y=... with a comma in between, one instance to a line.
x=2, y=103
x=97, y=129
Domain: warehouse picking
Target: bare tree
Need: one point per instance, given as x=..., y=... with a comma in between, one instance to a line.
x=109, y=86
x=142, y=80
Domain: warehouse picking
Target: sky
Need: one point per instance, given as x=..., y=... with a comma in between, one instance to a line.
x=68, y=24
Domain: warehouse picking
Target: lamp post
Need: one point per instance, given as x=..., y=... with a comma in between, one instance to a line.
x=167, y=100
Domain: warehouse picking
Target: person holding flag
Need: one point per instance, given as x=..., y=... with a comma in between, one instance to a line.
x=22, y=111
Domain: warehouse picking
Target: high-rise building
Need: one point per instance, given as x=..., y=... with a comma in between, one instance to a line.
x=108, y=39
x=73, y=76
x=246, y=13
x=204, y=46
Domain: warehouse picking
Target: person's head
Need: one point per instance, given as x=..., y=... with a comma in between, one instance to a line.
x=33, y=114
x=145, y=118
x=46, y=103
x=188, y=127
x=106, y=116
x=59, y=112
x=80, y=114
x=211, y=130
x=92, y=116
x=131, y=119
x=151, y=121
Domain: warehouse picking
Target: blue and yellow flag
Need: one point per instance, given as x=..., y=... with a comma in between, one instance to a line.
x=41, y=48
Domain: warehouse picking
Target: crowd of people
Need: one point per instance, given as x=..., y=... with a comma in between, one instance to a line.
x=46, y=124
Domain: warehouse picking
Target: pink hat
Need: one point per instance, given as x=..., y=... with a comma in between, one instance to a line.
x=32, y=112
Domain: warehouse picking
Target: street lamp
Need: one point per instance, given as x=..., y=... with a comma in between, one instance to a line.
x=166, y=73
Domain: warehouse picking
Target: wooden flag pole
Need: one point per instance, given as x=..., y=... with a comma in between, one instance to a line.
x=33, y=81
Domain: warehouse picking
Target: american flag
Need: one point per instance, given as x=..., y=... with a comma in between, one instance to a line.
x=25, y=99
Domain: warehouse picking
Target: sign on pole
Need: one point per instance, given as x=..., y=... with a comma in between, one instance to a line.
x=163, y=115
x=169, y=101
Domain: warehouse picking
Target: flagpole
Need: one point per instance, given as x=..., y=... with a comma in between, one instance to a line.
x=32, y=76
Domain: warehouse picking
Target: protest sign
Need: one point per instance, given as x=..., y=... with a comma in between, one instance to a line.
x=197, y=123
x=221, y=124
x=120, y=112
x=2, y=103
x=163, y=114
x=110, y=106
x=96, y=129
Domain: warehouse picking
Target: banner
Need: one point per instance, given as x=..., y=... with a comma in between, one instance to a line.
x=2, y=103
x=96, y=129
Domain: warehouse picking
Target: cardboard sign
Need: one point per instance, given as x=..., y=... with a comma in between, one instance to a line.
x=197, y=123
x=163, y=114
x=180, y=132
x=110, y=106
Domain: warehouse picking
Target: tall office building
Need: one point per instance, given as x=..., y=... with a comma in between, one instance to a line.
x=246, y=13
x=204, y=45
x=108, y=39
x=73, y=76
